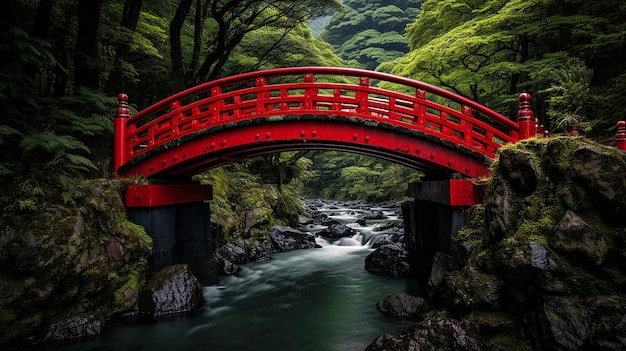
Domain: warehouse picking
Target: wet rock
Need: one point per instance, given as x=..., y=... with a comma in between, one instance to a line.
x=403, y=305
x=228, y=256
x=286, y=238
x=174, y=289
x=336, y=231
x=573, y=235
x=435, y=333
x=529, y=256
x=375, y=215
x=392, y=259
x=442, y=265
x=74, y=328
x=563, y=323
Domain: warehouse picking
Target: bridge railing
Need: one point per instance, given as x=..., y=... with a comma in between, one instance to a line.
x=313, y=91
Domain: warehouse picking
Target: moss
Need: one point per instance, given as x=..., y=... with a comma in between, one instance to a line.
x=21, y=327
x=536, y=230
x=138, y=231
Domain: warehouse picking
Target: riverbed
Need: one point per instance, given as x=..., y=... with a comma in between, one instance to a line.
x=317, y=299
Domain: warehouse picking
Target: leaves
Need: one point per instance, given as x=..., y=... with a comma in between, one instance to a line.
x=370, y=32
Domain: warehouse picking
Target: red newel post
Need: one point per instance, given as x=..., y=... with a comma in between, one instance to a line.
x=119, y=132
x=620, y=137
x=526, y=117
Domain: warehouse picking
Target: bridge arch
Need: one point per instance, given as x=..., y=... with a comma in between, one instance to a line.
x=226, y=120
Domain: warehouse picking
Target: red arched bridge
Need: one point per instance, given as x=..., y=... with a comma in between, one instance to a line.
x=378, y=114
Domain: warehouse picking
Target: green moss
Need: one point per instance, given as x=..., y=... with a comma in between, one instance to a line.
x=138, y=231
x=536, y=229
x=508, y=341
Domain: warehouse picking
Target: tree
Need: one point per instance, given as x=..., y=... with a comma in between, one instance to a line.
x=371, y=32
x=130, y=19
x=86, y=58
x=492, y=51
x=227, y=25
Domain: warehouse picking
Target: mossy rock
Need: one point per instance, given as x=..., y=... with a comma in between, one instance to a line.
x=470, y=288
x=65, y=262
x=554, y=232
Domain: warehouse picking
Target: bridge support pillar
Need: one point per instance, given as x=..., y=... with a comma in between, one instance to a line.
x=435, y=216
x=178, y=219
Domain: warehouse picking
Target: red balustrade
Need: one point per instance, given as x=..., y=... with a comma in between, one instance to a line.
x=318, y=91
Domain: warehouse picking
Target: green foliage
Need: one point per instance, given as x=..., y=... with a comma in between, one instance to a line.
x=341, y=175
x=255, y=194
x=371, y=32
x=490, y=51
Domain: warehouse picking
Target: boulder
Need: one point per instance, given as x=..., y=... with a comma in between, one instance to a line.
x=435, y=333
x=442, y=265
x=65, y=268
x=74, y=328
x=562, y=323
x=286, y=238
x=573, y=235
x=543, y=268
x=403, y=305
x=174, y=289
x=228, y=256
x=392, y=259
x=336, y=231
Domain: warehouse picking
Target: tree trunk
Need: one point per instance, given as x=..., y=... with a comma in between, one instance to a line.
x=130, y=18
x=86, y=65
x=176, y=54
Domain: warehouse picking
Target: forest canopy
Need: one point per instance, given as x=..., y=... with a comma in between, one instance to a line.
x=569, y=54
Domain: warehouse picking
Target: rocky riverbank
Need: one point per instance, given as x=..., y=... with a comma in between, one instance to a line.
x=67, y=271
x=542, y=264
x=319, y=221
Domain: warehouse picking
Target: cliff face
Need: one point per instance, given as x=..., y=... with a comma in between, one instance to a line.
x=543, y=263
x=64, y=271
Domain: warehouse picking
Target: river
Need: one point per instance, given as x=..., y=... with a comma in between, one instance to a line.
x=318, y=299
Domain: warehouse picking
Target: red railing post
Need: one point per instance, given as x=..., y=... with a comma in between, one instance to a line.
x=525, y=117
x=620, y=137
x=119, y=132
x=363, y=96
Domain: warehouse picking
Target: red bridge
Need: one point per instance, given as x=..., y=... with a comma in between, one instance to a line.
x=230, y=119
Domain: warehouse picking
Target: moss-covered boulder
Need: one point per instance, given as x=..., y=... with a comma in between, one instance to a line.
x=545, y=255
x=70, y=267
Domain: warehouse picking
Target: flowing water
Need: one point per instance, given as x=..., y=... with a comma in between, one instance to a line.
x=317, y=299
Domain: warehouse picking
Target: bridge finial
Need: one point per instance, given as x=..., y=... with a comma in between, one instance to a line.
x=122, y=106
x=122, y=114
x=526, y=117
x=620, y=137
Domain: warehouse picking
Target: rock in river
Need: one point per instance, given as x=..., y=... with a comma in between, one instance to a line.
x=286, y=238
x=173, y=289
x=391, y=259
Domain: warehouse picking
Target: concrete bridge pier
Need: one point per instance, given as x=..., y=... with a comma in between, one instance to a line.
x=178, y=219
x=434, y=217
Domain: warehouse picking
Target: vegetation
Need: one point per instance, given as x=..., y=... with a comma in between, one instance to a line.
x=371, y=32
x=65, y=61
x=338, y=175
x=564, y=52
